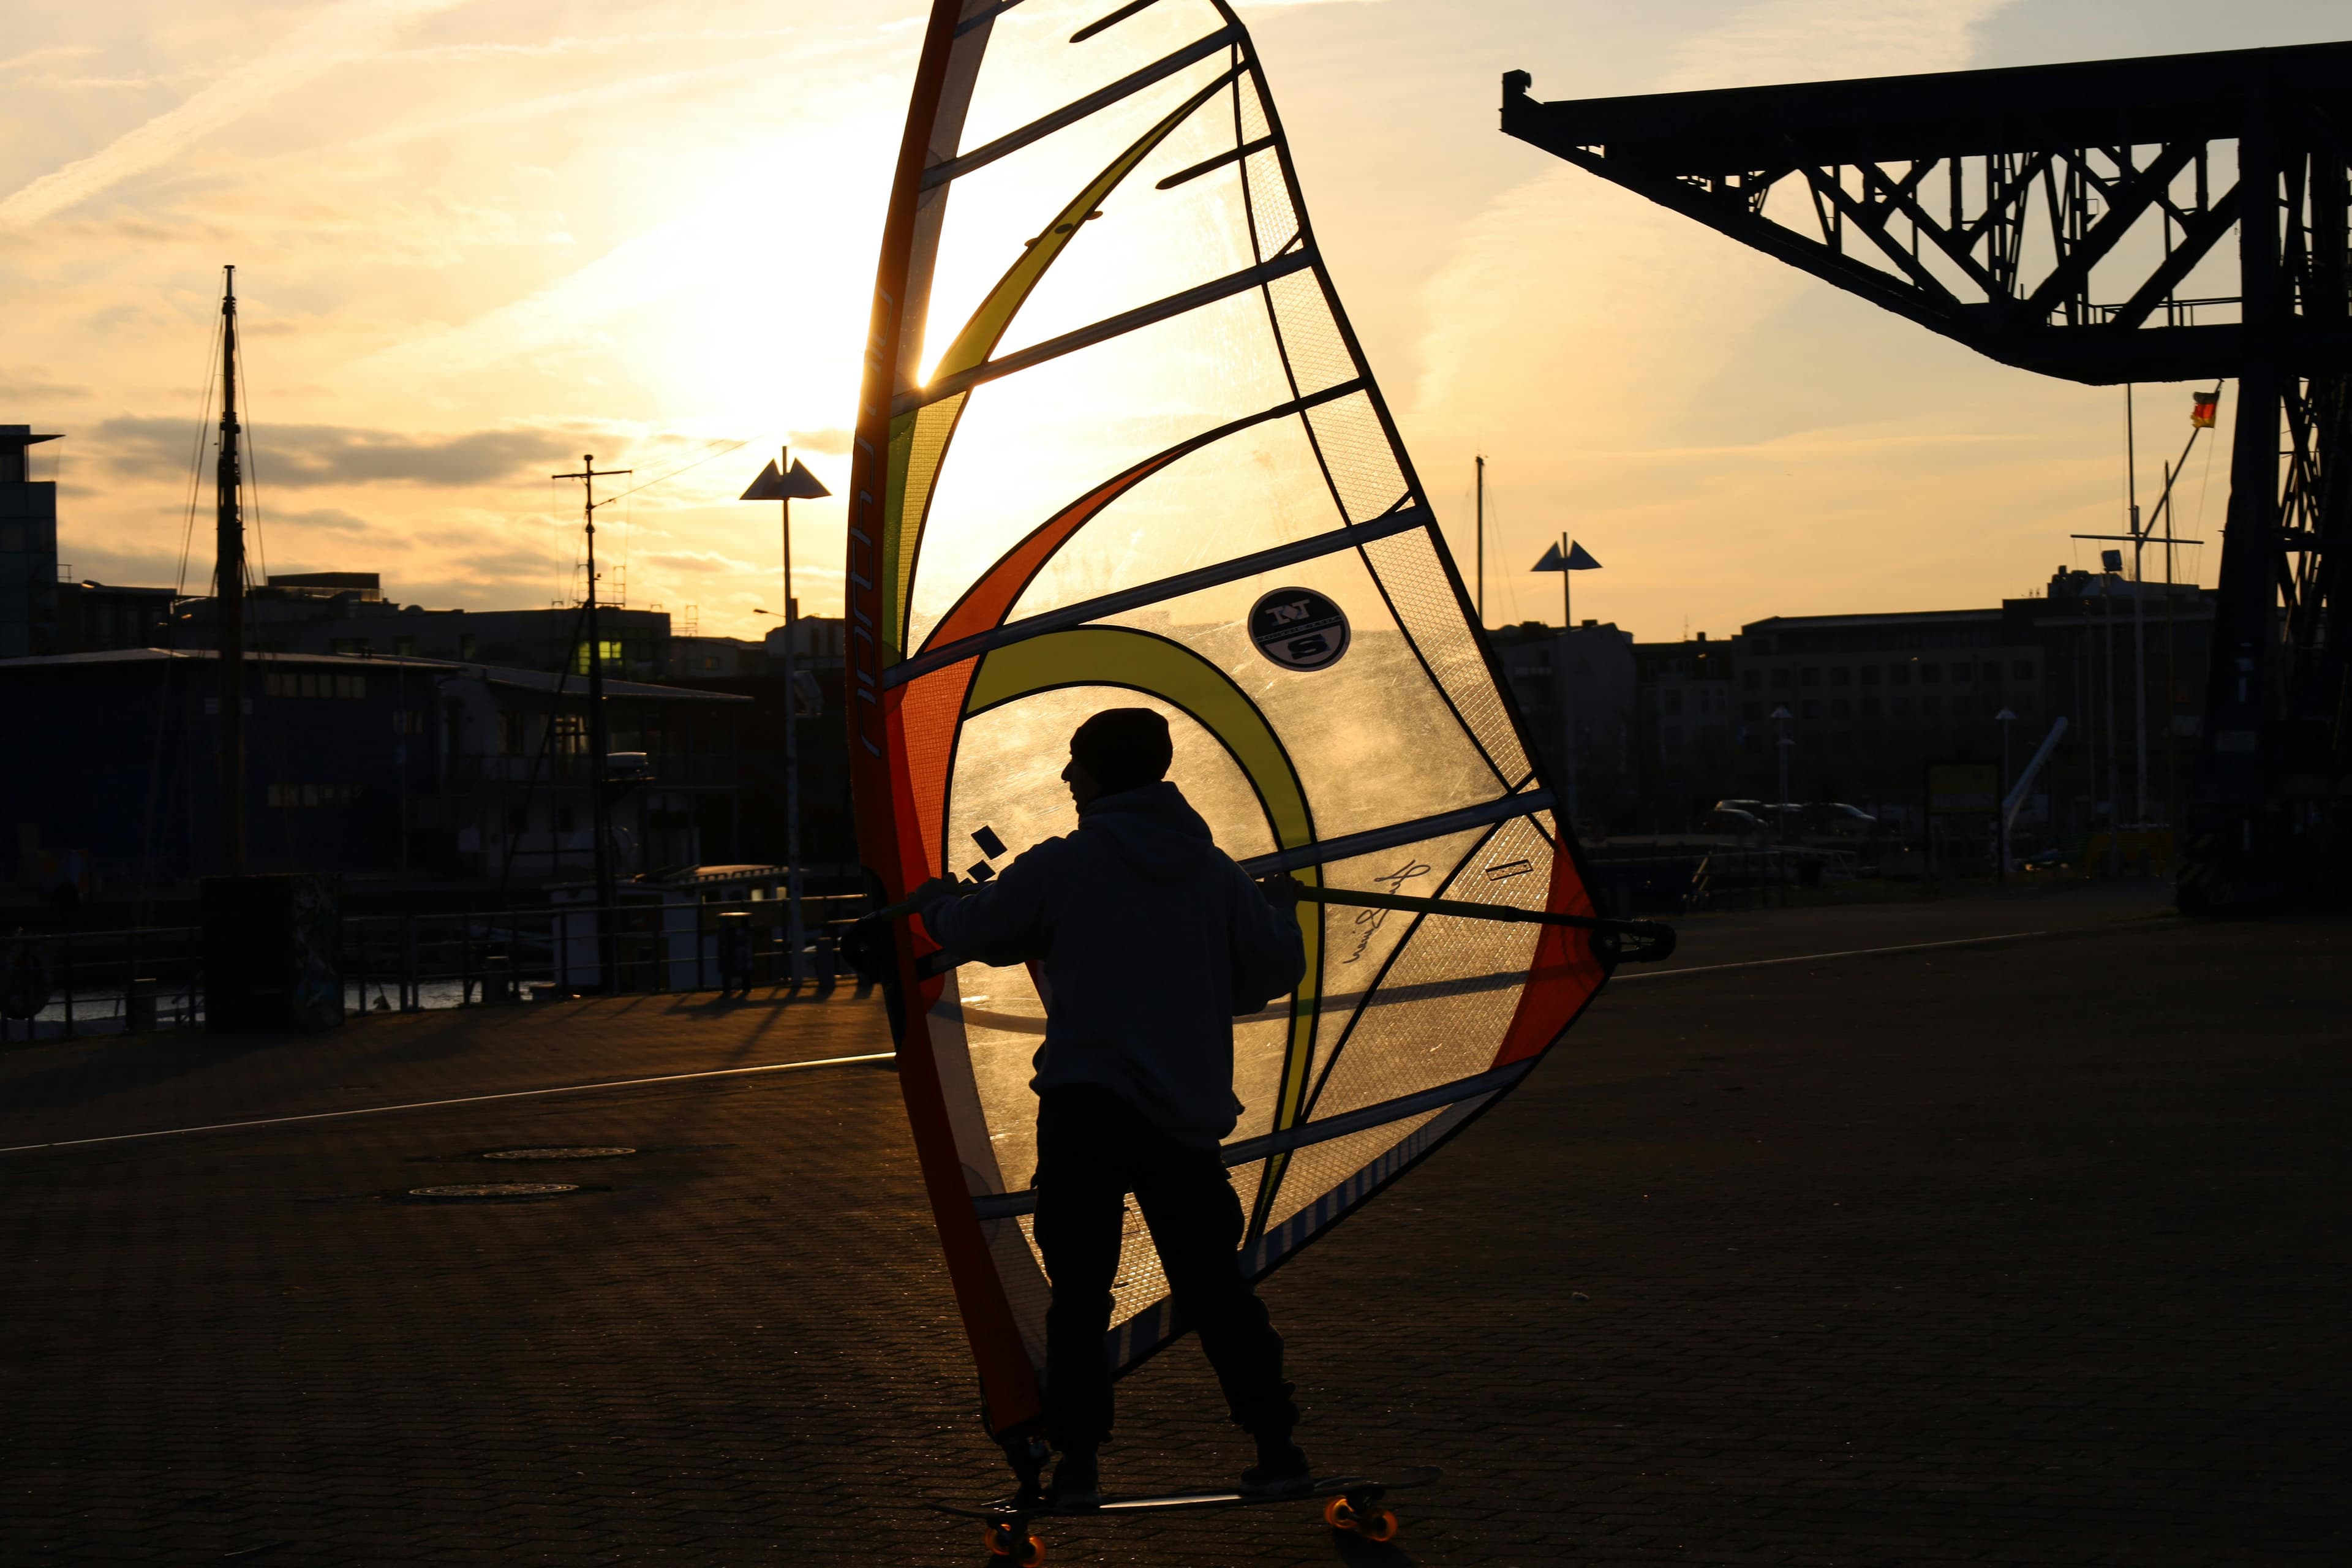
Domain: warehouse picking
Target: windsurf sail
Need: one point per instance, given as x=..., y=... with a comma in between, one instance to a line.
x=1117, y=444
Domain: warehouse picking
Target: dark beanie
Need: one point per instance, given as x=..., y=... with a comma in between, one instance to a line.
x=1123, y=748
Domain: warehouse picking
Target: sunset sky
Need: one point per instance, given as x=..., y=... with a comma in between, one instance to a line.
x=477, y=238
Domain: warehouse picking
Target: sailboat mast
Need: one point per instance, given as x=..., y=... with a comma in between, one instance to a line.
x=228, y=595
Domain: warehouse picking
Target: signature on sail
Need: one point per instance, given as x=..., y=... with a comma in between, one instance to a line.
x=1367, y=921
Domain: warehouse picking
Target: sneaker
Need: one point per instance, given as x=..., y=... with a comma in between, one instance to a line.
x=1281, y=1469
x=1076, y=1486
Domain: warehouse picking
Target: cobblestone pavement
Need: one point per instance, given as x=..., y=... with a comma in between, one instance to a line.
x=2025, y=1253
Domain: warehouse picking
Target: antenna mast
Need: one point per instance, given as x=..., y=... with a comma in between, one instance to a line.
x=228, y=595
x=600, y=747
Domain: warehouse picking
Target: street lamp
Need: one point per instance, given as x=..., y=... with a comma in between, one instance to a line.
x=781, y=481
x=1565, y=557
x=1781, y=716
x=2004, y=719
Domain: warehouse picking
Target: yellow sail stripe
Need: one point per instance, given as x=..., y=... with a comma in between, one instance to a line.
x=919, y=439
x=1113, y=655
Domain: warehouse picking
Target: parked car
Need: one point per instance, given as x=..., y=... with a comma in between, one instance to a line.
x=1835, y=819
x=1743, y=825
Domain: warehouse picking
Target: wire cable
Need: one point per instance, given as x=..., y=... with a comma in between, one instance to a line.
x=196, y=466
x=707, y=457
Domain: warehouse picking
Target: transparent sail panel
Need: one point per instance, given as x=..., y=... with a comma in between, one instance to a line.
x=1110, y=406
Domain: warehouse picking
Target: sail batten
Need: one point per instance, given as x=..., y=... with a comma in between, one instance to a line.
x=1148, y=464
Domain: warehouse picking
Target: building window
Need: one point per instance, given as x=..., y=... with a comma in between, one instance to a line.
x=465, y=645
x=1870, y=707
x=608, y=653
x=1780, y=680
x=1930, y=706
x=1812, y=677
x=570, y=736
x=1841, y=708
x=408, y=720
x=301, y=797
x=1930, y=673
x=1674, y=701
x=1755, y=679
x=355, y=648
x=1840, y=675
x=1898, y=675
x=518, y=820
x=1751, y=711
x=1810, y=708
x=563, y=819
x=1902, y=707
x=1842, y=742
x=2022, y=669
x=512, y=737
x=1870, y=675
x=311, y=683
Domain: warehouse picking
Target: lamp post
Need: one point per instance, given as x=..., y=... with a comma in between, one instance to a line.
x=2004, y=719
x=781, y=481
x=1565, y=557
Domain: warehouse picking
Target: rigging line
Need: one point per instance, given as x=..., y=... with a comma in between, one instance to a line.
x=459, y=1099
x=1110, y=327
x=196, y=466
x=249, y=470
x=939, y=175
x=707, y=457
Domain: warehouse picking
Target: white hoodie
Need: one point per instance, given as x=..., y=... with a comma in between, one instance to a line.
x=1150, y=939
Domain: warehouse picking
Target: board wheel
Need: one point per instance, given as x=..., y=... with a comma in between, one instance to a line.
x=1026, y=1551
x=1381, y=1526
x=1340, y=1514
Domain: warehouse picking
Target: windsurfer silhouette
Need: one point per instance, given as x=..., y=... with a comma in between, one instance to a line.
x=1149, y=939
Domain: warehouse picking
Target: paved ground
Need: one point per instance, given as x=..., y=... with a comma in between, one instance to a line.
x=2022, y=1252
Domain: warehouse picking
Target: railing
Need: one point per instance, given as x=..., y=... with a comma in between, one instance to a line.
x=66, y=984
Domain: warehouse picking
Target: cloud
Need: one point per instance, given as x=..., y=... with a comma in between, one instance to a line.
x=29, y=382
x=699, y=561
x=832, y=440
x=355, y=28
x=298, y=456
x=333, y=519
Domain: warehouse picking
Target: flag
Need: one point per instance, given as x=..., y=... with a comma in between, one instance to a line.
x=1578, y=560
x=2201, y=414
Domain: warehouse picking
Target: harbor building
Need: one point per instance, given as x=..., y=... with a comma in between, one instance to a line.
x=422, y=770
x=28, y=548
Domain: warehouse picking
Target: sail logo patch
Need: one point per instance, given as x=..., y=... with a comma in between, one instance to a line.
x=1298, y=628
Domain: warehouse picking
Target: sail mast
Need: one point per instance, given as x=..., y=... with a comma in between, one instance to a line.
x=228, y=595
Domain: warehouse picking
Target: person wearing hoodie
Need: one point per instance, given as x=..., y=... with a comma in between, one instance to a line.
x=1149, y=941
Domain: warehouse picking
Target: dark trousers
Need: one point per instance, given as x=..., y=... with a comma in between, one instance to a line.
x=1092, y=1149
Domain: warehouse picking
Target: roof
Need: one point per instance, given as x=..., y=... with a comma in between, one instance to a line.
x=494, y=675
x=1886, y=618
